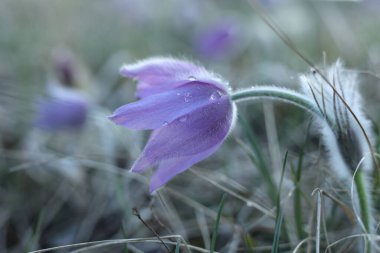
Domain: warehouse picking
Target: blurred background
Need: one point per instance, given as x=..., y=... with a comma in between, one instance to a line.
x=64, y=166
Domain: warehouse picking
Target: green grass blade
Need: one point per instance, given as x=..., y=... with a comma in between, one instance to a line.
x=119, y=190
x=36, y=232
x=279, y=213
x=177, y=246
x=297, y=204
x=216, y=227
x=277, y=232
x=249, y=243
x=259, y=158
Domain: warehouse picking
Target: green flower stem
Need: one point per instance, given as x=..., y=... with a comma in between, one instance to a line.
x=364, y=204
x=300, y=100
x=282, y=94
x=272, y=92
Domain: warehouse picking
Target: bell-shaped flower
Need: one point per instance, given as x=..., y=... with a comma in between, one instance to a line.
x=64, y=108
x=187, y=107
x=218, y=40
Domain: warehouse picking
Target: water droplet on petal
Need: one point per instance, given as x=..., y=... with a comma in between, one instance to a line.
x=183, y=119
x=187, y=96
x=215, y=95
x=165, y=123
x=192, y=78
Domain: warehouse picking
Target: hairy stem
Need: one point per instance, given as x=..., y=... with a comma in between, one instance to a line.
x=272, y=92
x=282, y=94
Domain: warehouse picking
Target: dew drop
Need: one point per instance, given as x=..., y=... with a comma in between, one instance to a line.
x=165, y=123
x=215, y=95
x=250, y=203
x=187, y=96
x=191, y=78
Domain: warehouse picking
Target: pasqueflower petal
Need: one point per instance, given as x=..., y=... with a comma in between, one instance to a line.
x=187, y=140
x=188, y=108
x=160, y=109
x=159, y=74
x=170, y=168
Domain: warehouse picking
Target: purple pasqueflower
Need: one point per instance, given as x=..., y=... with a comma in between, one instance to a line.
x=217, y=40
x=56, y=114
x=63, y=109
x=188, y=108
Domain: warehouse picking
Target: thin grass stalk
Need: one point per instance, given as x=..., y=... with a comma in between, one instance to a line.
x=216, y=227
x=261, y=164
x=364, y=204
x=318, y=218
x=279, y=212
x=297, y=203
x=363, y=200
x=249, y=243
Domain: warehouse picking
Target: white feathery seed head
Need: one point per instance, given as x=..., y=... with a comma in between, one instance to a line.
x=341, y=133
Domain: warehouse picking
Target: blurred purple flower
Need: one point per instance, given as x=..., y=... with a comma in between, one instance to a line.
x=216, y=41
x=63, y=109
x=188, y=109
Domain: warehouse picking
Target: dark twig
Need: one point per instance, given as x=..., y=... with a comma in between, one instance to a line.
x=137, y=214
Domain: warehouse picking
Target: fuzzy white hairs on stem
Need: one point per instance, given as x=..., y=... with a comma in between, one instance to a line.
x=341, y=134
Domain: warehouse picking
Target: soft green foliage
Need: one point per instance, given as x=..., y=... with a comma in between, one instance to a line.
x=215, y=231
